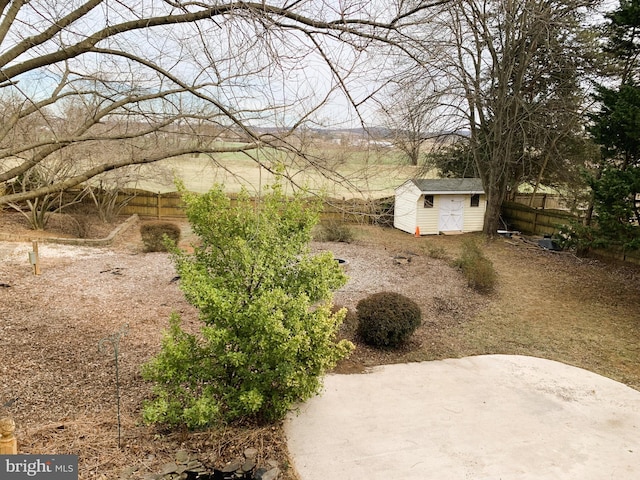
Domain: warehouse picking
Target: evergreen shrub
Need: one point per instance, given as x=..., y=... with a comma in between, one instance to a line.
x=387, y=319
x=335, y=231
x=268, y=329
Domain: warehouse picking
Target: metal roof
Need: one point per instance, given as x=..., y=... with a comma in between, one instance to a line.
x=446, y=185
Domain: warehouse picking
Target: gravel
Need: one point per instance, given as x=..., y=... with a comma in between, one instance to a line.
x=59, y=385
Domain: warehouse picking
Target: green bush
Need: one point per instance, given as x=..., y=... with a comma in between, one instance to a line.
x=477, y=269
x=349, y=326
x=155, y=235
x=387, y=319
x=334, y=231
x=268, y=331
x=579, y=238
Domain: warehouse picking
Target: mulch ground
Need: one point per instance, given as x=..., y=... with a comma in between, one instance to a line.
x=59, y=330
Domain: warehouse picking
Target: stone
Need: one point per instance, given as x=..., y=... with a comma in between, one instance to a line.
x=248, y=465
x=401, y=260
x=259, y=473
x=250, y=453
x=168, y=468
x=182, y=456
x=232, y=466
x=272, y=474
x=127, y=472
x=195, y=466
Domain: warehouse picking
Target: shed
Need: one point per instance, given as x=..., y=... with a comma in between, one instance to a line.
x=442, y=205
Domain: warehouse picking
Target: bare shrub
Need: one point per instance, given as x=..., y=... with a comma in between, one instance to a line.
x=438, y=253
x=334, y=231
x=82, y=223
x=477, y=269
x=155, y=235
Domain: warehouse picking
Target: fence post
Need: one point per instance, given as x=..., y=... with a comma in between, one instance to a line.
x=8, y=442
x=36, y=258
x=158, y=206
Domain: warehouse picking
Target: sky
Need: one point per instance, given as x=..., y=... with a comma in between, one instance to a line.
x=253, y=69
x=247, y=65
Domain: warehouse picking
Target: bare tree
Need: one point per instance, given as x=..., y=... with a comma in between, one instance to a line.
x=38, y=210
x=412, y=113
x=162, y=78
x=513, y=70
x=523, y=90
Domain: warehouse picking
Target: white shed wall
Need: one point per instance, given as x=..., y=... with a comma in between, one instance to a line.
x=474, y=216
x=427, y=218
x=410, y=212
x=406, y=198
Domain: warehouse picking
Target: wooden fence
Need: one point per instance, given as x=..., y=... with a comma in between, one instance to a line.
x=170, y=205
x=535, y=221
x=542, y=201
x=547, y=222
x=617, y=253
x=518, y=216
x=149, y=204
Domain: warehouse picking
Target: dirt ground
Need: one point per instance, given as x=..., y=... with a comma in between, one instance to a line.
x=59, y=332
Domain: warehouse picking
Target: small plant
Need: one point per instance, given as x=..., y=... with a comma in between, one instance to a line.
x=447, y=306
x=387, y=319
x=477, y=269
x=335, y=231
x=155, y=235
x=114, y=341
x=438, y=253
x=82, y=224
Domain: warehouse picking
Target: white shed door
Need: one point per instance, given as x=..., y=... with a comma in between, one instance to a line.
x=451, y=213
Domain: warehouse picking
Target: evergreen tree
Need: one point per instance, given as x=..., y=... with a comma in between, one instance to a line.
x=616, y=128
x=268, y=332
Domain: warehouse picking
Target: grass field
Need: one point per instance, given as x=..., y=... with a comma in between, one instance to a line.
x=578, y=311
x=337, y=172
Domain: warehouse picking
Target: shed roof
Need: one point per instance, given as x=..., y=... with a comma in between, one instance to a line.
x=449, y=185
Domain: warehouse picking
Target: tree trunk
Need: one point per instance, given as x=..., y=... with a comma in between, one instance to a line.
x=492, y=216
x=496, y=191
x=415, y=154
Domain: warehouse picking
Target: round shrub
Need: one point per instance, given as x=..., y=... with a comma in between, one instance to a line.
x=387, y=319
